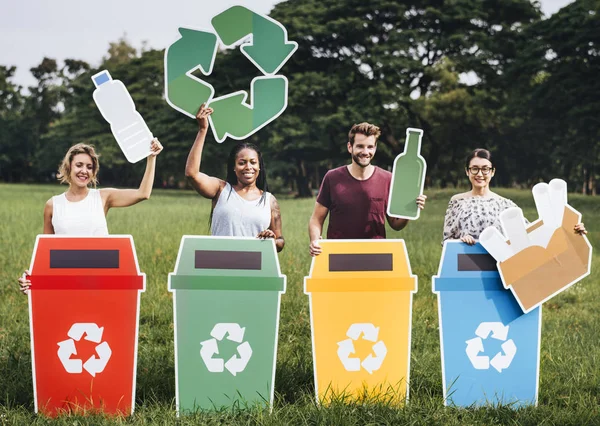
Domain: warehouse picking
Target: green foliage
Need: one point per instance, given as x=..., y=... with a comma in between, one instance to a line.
x=470, y=73
x=554, y=97
x=396, y=64
x=11, y=104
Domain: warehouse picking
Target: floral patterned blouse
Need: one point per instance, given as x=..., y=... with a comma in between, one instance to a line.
x=470, y=215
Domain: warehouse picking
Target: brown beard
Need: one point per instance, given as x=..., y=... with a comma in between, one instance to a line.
x=356, y=160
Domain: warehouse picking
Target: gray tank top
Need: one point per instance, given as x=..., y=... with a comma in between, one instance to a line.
x=235, y=217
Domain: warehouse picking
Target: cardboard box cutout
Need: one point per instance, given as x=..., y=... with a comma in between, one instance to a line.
x=127, y=125
x=360, y=294
x=408, y=178
x=85, y=357
x=540, y=261
x=269, y=50
x=226, y=299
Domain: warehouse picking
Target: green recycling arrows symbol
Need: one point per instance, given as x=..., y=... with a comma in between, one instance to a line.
x=268, y=49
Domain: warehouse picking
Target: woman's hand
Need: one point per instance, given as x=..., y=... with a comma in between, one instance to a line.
x=24, y=282
x=202, y=117
x=267, y=233
x=155, y=148
x=580, y=229
x=421, y=201
x=468, y=239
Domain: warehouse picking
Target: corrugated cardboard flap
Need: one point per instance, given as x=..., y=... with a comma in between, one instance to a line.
x=537, y=273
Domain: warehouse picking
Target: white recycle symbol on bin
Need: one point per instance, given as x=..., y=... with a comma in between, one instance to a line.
x=210, y=347
x=346, y=347
x=499, y=332
x=66, y=348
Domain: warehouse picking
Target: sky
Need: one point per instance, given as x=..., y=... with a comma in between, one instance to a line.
x=82, y=29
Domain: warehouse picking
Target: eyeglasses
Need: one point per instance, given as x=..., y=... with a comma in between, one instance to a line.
x=485, y=170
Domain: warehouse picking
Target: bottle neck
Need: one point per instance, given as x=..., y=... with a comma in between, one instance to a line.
x=412, y=146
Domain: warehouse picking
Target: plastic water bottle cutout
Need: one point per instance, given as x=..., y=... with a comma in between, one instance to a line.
x=127, y=125
x=408, y=178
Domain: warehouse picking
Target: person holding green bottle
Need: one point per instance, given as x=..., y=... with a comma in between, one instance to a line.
x=356, y=195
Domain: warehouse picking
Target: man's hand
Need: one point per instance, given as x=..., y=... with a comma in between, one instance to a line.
x=315, y=248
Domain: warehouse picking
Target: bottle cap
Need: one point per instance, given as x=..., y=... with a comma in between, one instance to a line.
x=101, y=78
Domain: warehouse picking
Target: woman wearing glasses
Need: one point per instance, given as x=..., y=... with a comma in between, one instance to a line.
x=469, y=213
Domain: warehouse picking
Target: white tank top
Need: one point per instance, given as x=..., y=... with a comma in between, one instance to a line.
x=236, y=217
x=81, y=218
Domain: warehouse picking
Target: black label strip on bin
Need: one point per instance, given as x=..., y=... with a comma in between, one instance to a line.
x=221, y=259
x=105, y=259
x=361, y=262
x=476, y=262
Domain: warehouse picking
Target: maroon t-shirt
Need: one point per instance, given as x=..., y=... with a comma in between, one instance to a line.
x=356, y=207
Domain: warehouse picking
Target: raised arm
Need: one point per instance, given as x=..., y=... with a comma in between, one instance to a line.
x=315, y=227
x=113, y=197
x=275, y=227
x=207, y=186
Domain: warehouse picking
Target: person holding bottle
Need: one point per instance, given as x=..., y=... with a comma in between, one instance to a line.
x=408, y=178
x=241, y=204
x=82, y=209
x=469, y=213
x=356, y=195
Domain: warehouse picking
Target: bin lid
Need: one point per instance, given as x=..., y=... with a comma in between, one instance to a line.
x=329, y=285
x=464, y=267
x=361, y=265
x=61, y=262
x=207, y=282
x=218, y=259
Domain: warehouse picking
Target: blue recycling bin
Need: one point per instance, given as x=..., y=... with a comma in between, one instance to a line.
x=490, y=349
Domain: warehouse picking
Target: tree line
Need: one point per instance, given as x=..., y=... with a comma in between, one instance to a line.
x=470, y=73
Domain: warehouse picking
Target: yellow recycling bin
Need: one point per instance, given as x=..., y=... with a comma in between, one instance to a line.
x=360, y=294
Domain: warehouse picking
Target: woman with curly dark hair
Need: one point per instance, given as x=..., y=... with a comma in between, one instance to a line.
x=241, y=204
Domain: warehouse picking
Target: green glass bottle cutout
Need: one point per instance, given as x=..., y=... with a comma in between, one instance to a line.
x=408, y=178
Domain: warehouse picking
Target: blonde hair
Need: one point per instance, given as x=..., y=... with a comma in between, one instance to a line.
x=366, y=129
x=64, y=170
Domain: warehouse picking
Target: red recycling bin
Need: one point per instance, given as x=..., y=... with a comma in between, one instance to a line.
x=84, y=315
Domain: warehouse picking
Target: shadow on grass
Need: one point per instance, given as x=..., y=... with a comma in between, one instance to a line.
x=293, y=381
x=16, y=384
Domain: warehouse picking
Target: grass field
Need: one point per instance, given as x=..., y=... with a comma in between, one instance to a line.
x=570, y=351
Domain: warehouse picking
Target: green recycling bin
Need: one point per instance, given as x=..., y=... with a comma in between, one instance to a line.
x=226, y=298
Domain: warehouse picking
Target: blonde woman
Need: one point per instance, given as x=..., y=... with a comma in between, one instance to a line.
x=81, y=210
